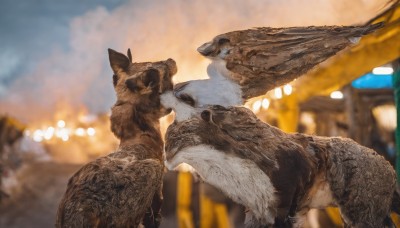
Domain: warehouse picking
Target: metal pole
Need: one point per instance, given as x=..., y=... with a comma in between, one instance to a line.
x=396, y=90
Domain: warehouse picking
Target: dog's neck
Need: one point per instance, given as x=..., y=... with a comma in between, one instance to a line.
x=137, y=125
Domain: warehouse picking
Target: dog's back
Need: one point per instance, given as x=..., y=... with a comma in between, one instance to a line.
x=106, y=192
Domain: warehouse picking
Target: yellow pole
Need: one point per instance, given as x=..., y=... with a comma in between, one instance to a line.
x=213, y=214
x=288, y=114
x=184, y=193
x=221, y=215
x=334, y=215
x=206, y=211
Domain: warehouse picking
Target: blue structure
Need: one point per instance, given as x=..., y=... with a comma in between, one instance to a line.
x=373, y=81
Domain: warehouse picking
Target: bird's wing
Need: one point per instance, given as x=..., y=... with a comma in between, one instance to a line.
x=261, y=59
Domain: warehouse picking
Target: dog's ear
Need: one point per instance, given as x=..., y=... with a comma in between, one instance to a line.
x=129, y=54
x=206, y=115
x=118, y=61
x=172, y=68
x=151, y=78
x=146, y=83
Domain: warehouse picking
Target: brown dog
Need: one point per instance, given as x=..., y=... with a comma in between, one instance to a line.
x=280, y=176
x=123, y=189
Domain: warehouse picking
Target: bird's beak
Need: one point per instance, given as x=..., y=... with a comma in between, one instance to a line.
x=206, y=49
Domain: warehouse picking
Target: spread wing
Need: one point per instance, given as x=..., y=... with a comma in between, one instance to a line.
x=261, y=59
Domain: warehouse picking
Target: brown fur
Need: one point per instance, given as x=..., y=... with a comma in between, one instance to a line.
x=361, y=181
x=261, y=59
x=123, y=189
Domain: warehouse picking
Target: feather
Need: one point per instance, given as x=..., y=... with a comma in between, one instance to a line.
x=261, y=59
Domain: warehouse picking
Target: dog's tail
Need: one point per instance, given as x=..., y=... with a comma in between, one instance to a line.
x=396, y=201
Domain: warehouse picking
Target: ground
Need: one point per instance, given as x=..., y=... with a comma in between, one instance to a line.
x=35, y=201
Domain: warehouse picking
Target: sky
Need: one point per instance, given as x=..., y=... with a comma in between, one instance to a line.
x=53, y=54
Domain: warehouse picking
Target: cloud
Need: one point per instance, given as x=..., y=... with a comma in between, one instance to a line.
x=155, y=30
x=9, y=61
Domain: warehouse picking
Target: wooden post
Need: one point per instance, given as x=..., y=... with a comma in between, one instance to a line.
x=350, y=111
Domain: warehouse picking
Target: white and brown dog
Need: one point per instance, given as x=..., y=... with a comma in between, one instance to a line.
x=280, y=176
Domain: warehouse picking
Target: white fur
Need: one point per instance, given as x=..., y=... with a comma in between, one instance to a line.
x=322, y=198
x=182, y=110
x=239, y=179
x=217, y=90
x=355, y=40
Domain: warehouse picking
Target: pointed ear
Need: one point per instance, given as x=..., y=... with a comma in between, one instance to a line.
x=206, y=115
x=172, y=68
x=129, y=54
x=118, y=61
x=151, y=78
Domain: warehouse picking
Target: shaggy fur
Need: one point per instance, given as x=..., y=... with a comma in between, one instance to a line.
x=305, y=171
x=251, y=62
x=261, y=59
x=123, y=189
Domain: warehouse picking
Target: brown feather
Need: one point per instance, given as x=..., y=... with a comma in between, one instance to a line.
x=261, y=59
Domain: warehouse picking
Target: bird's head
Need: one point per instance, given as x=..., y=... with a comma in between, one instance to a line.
x=218, y=48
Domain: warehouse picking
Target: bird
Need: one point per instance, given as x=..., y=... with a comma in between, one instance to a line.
x=279, y=176
x=124, y=188
x=249, y=63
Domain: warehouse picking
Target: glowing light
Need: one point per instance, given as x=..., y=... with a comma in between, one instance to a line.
x=38, y=136
x=61, y=123
x=91, y=131
x=62, y=133
x=87, y=118
x=65, y=137
x=265, y=103
x=287, y=89
x=80, y=132
x=336, y=95
x=48, y=134
x=256, y=106
x=382, y=70
x=278, y=93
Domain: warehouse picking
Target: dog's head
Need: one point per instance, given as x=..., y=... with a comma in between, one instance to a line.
x=228, y=116
x=141, y=82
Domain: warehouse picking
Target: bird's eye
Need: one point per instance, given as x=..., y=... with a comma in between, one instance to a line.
x=223, y=41
x=187, y=99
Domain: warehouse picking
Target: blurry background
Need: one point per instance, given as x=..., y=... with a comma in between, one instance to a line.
x=56, y=91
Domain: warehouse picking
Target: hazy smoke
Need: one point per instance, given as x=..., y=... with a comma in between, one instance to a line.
x=156, y=30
